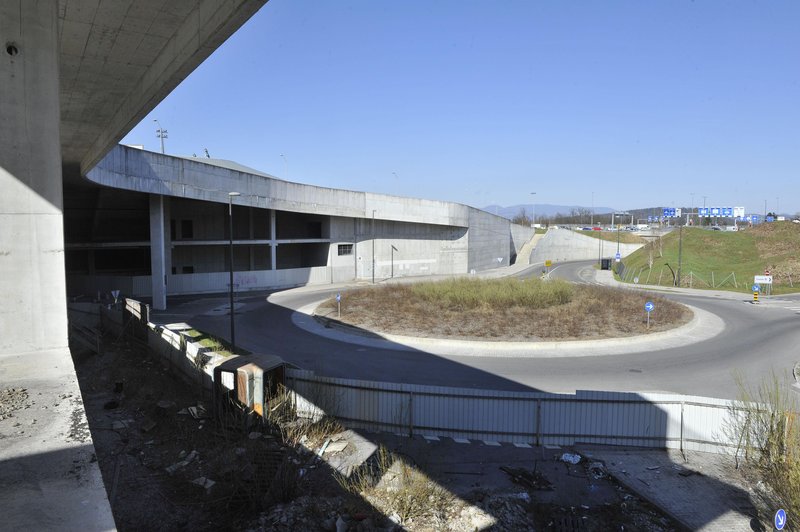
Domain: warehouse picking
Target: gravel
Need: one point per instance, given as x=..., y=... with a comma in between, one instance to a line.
x=12, y=399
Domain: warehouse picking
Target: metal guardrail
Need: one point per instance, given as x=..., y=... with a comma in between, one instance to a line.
x=611, y=418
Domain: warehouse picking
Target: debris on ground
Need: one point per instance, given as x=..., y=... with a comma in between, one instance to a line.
x=529, y=479
x=597, y=470
x=235, y=475
x=12, y=399
x=571, y=458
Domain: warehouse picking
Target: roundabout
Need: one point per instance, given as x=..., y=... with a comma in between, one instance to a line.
x=703, y=326
x=727, y=334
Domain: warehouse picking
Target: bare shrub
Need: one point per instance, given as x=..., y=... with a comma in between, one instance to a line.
x=765, y=427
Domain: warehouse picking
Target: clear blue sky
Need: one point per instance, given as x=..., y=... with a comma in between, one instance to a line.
x=642, y=103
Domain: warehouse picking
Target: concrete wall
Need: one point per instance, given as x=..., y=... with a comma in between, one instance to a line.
x=560, y=245
x=198, y=283
x=489, y=237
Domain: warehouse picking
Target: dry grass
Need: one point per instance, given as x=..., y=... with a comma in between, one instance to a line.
x=394, y=486
x=765, y=423
x=506, y=309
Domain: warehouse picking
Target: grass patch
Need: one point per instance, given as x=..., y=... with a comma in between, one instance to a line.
x=463, y=294
x=505, y=309
x=625, y=237
x=721, y=259
x=215, y=344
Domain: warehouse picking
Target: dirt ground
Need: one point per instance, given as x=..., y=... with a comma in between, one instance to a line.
x=170, y=463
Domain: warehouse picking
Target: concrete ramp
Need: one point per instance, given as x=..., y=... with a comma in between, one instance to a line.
x=562, y=245
x=524, y=255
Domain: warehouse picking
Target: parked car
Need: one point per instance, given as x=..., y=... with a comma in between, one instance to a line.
x=597, y=228
x=586, y=228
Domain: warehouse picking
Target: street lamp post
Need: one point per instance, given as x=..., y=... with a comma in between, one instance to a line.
x=161, y=133
x=230, y=270
x=533, y=211
x=373, y=246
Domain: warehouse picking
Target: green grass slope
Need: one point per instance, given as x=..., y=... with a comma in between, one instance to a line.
x=721, y=259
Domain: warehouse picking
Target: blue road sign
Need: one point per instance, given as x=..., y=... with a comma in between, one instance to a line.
x=770, y=218
x=649, y=306
x=756, y=288
x=617, y=256
x=780, y=519
x=338, y=297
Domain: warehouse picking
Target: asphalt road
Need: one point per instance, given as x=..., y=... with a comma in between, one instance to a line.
x=756, y=340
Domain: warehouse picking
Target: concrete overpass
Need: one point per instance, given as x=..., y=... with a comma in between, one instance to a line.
x=284, y=234
x=77, y=75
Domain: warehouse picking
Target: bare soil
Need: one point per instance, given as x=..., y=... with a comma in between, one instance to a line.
x=152, y=457
x=595, y=312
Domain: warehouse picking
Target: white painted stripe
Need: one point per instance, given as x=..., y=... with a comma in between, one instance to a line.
x=431, y=438
x=522, y=445
x=460, y=440
x=491, y=443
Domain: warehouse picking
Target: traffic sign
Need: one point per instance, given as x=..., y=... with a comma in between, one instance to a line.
x=547, y=264
x=780, y=519
x=618, y=257
x=756, y=288
x=649, y=306
x=338, y=297
x=762, y=279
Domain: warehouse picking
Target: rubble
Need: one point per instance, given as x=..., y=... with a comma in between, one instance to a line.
x=206, y=483
x=571, y=458
x=183, y=463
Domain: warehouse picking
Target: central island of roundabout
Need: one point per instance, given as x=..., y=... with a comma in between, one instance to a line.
x=507, y=318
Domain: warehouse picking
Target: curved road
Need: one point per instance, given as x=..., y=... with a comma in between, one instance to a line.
x=756, y=339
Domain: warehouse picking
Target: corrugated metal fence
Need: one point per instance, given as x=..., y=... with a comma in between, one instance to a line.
x=612, y=418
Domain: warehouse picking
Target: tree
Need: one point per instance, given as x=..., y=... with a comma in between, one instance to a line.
x=522, y=218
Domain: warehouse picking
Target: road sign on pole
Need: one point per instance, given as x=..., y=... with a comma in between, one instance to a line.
x=648, y=307
x=618, y=257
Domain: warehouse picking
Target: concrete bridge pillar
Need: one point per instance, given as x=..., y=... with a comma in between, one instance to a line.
x=158, y=252
x=33, y=315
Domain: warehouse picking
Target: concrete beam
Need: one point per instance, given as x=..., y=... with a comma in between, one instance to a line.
x=120, y=59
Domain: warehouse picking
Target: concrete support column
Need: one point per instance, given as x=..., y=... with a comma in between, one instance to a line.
x=167, y=236
x=157, y=252
x=33, y=315
x=273, y=236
